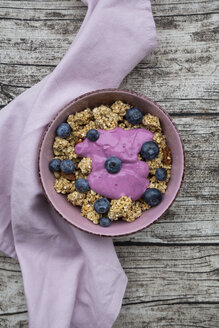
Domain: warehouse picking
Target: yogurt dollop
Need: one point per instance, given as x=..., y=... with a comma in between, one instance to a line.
x=131, y=180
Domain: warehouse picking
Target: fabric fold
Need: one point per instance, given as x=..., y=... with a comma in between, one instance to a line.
x=71, y=278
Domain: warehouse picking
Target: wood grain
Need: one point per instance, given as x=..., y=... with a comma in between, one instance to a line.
x=168, y=316
x=172, y=266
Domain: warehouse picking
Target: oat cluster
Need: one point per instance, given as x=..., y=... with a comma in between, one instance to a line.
x=106, y=118
x=125, y=209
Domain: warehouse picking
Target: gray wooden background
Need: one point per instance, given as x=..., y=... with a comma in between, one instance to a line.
x=173, y=266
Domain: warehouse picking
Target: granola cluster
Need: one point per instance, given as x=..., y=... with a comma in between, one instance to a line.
x=124, y=208
x=107, y=117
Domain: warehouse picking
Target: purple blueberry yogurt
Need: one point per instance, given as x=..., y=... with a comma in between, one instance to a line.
x=131, y=180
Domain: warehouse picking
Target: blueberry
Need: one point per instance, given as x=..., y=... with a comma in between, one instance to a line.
x=152, y=196
x=82, y=185
x=102, y=205
x=113, y=164
x=54, y=165
x=105, y=222
x=134, y=116
x=161, y=174
x=149, y=150
x=63, y=130
x=67, y=166
x=92, y=135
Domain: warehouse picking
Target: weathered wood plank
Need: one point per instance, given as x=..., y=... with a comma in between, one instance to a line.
x=170, y=274
x=17, y=78
x=144, y=316
x=9, y=264
x=11, y=290
x=8, y=93
x=162, y=289
x=14, y=320
x=183, y=7
x=168, y=316
x=66, y=9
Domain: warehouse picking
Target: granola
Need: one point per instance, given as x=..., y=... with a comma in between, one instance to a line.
x=107, y=118
x=64, y=186
x=85, y=165
x=125, y=209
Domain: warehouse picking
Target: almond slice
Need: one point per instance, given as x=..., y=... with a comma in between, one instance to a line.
x=167, y=158
x=78, y=141
x=70, y=176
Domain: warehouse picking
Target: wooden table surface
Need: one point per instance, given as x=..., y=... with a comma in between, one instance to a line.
x=173, y=266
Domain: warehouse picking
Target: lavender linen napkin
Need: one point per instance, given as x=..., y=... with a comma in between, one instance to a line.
x=71, y=278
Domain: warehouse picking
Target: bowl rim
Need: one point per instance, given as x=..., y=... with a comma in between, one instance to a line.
x=70, y=104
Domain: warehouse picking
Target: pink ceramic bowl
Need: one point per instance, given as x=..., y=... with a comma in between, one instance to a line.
x=71, y=213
